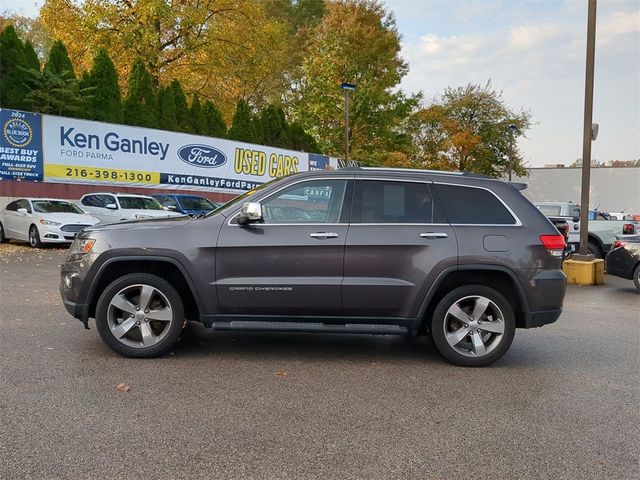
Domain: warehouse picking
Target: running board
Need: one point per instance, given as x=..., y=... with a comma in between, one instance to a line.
x=302, y=327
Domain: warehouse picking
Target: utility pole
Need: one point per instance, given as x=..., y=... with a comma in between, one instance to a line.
x=588, y=132
x=347, y=87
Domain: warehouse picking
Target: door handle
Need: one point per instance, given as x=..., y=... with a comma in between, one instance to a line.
x=434, y=235
x=323, y=235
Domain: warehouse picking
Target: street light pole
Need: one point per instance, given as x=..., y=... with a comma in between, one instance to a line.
x=346, y=87
x=513, y=129
x=587, y=133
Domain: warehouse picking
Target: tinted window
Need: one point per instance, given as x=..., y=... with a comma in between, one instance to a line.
x=196, y=203
x=318, y=201
x=379, y=201
x=98, y=200
x=472, y=206
x=13, y=206
x=24, y=204
x=166, y=201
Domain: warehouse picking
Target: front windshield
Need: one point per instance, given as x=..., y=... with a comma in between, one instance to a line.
x=55, y=206
x=243, y=197
x=139, y=203
x=196, y=203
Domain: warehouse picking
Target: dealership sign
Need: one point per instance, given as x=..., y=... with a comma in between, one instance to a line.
x=58, y=149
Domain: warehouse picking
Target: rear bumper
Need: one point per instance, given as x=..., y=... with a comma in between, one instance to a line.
x=545, y=317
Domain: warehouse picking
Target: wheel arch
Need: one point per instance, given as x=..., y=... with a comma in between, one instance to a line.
x=500, y=278
x=164, y=267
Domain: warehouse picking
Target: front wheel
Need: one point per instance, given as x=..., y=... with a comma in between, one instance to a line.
x=3, y=237
x=473, y=326
x=140, y=315
x=636, y=278
x=595, y=250
x=34, y=237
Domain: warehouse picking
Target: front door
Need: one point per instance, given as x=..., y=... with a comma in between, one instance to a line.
x=291, y=263
x=397, y=242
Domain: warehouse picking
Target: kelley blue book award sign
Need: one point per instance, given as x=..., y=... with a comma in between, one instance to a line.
x=59, y=149
x=21, y=146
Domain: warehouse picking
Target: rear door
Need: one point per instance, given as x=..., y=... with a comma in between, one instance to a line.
x=292, y=263
x=398, y=242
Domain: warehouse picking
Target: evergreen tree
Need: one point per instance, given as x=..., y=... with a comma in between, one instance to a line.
x=105, y=102
x=13, y=88
x=140, y=105
x=274, y=128
x=215, y=122
x=59, y=61
x=301, y=140
x=198, y=122
x=182, y=109
x=30, y=56
x=243, y=127
x=56, y=94
x=167, y=109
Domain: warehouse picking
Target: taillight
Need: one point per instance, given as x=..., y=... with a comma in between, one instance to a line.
x=628, y=229
x=553, y=243
x=619, y=243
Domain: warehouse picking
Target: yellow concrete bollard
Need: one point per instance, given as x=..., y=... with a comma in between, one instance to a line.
x=584, y=273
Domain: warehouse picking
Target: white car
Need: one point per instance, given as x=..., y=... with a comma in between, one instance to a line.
x=42, y=220
x=115, y=207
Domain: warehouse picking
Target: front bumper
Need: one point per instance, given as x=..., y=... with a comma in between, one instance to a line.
x=78, y=310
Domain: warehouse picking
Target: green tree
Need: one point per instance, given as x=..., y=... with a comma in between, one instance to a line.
x=167, y=109
x=140, y=105
x=58, y=61
x=54, y=93
x=13, y=88
x=301, y=140
x=182, y=109
x=467, y=129
x=105, y=103
x=355, y=42
x=30, y=56
x=243, y=127
x=215, y=122
x=274, y=130
x=198, y=120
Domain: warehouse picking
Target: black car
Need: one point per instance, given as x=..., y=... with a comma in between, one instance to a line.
x=624, y=258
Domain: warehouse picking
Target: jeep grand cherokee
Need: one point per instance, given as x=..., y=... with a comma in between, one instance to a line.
x=466, y=259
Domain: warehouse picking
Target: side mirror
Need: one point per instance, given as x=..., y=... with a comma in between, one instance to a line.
x=250, y=212
x=171, y=208
x=22, y=210
x=111, y=206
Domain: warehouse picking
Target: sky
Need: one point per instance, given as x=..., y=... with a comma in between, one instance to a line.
x=534, y=52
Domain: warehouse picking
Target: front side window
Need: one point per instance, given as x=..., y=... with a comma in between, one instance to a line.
x=139, y=203
x=316, y=201
x=24, y=204
x=380, y=201
x=473, y=206
x=55, y=206
x=98, y=200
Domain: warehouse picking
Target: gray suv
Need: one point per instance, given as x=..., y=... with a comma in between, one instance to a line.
x=466, y=259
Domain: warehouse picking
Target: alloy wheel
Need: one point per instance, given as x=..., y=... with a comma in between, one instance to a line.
x=474, y=326
x=139, y=316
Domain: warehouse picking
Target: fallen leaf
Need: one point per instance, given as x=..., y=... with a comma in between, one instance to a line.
x=282, y=373
x=122, y=387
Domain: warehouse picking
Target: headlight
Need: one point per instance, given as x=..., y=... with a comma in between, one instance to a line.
x=81, y=246
x=49, y=222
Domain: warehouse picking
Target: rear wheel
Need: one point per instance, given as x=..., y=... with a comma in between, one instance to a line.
x=473, y=326
x=3, y=238
x=636, y=278
x=34, y=237
x=140, y=315
x=595, y=249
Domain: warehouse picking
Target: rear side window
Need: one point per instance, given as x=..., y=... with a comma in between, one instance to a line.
x=474, y=206
x=13, y=206
x=380, y=201
x=97, y=200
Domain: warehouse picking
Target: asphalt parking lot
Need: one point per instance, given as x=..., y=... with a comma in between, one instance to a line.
x=563, y=403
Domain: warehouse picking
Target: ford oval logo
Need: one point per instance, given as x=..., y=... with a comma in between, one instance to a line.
x=202, y=156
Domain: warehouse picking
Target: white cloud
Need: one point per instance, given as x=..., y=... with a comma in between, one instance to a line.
x=526, y=37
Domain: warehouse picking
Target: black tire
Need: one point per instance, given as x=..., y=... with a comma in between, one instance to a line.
x=595, y=249
x=498, y=344
x=34, y=237
x=3, y=238
x=174, y=328
x=636, y=278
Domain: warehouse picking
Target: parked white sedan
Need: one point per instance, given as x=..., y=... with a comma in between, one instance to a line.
x=42, y=220
x=116, y=207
